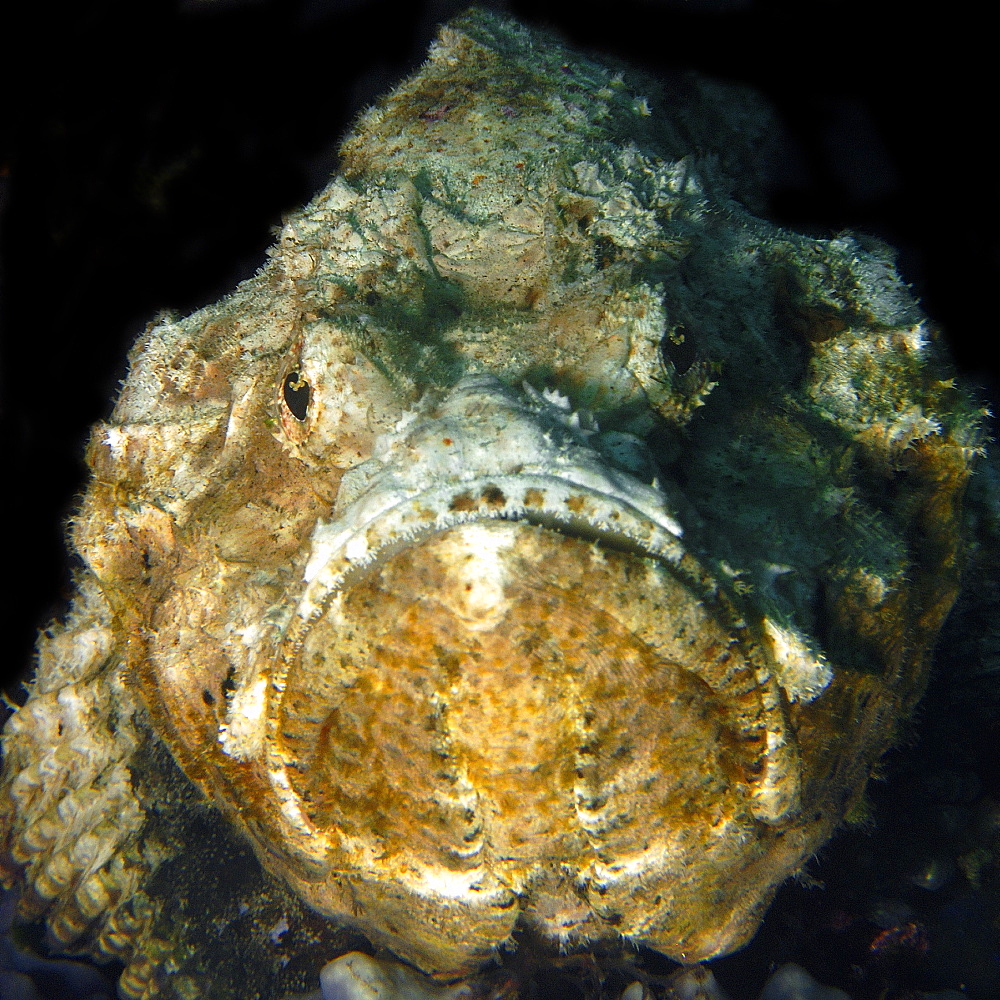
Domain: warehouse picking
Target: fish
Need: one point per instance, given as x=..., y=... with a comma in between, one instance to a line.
x=540, y=550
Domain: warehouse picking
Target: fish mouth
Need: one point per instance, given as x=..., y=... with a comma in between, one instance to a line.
x=495, y=698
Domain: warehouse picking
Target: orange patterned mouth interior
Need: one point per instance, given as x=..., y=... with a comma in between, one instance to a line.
x=469, y=698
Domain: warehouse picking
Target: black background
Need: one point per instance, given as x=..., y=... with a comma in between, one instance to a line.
x=150, y=148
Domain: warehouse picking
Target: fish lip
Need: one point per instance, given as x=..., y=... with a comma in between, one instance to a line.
x=361, y=539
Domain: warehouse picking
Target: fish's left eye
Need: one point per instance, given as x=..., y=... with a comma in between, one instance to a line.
x=296, y=395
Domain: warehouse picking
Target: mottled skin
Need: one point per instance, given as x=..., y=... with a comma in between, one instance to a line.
x=538, y=541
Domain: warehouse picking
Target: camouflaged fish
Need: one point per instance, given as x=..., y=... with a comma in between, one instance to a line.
x=539, y=546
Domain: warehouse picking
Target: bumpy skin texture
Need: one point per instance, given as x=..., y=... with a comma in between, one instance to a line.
x=539, y=540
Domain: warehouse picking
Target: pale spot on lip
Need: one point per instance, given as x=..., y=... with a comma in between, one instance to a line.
x=479, y=575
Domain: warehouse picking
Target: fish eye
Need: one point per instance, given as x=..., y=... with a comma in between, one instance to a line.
x=296, y=395
x=677, y=349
